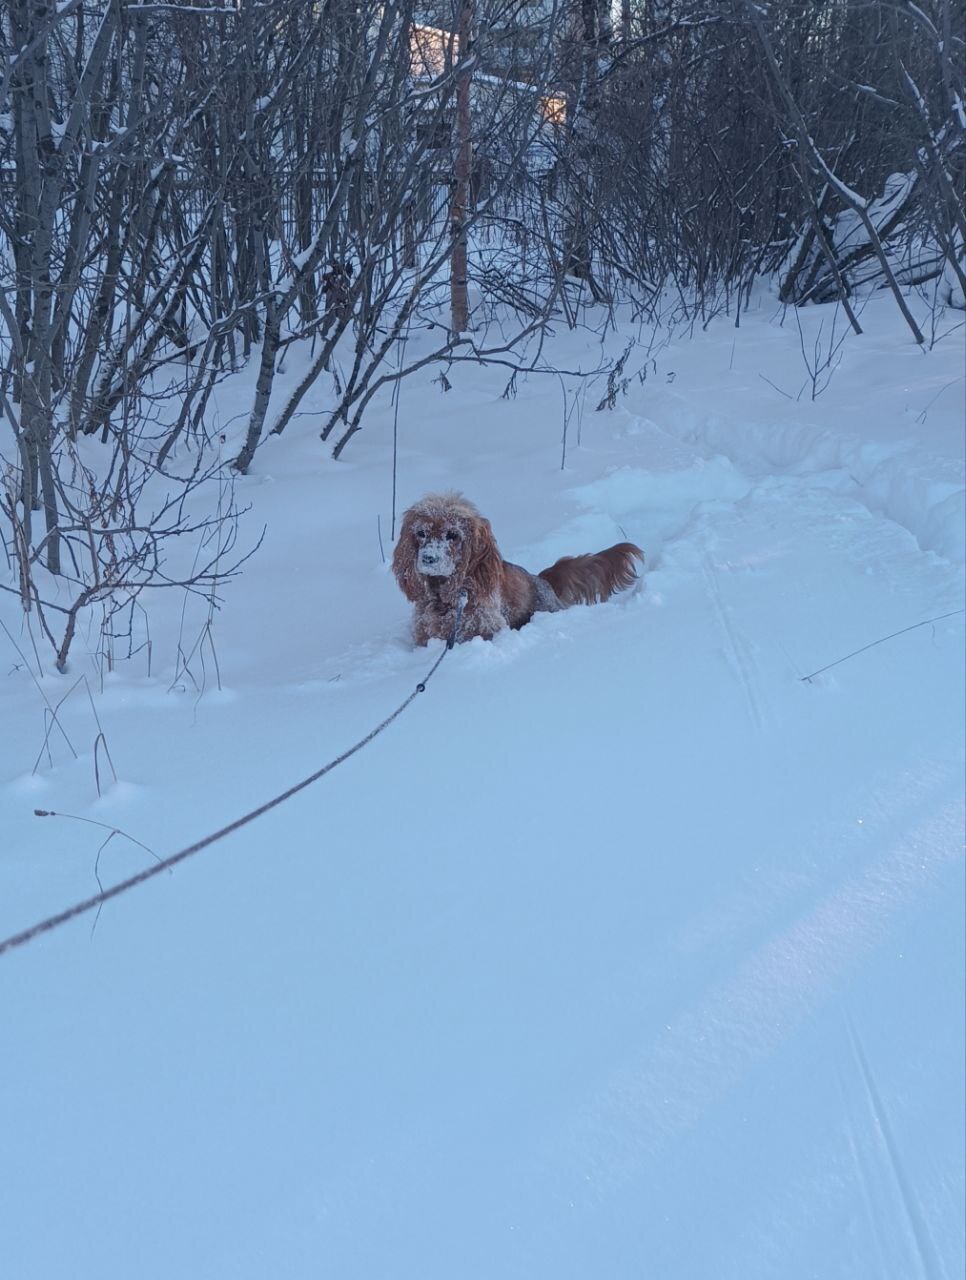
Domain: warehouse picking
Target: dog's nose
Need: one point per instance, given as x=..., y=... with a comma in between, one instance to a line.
x=428, y=558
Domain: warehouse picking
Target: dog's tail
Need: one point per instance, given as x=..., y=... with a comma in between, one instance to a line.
x=593, y=578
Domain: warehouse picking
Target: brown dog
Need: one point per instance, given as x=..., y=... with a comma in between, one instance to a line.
x=446, y=550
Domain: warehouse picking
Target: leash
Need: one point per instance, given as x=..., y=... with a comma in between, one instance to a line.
x=455, y=633
x=166, y=864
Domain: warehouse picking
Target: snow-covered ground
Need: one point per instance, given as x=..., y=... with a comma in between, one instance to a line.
x=626, y=951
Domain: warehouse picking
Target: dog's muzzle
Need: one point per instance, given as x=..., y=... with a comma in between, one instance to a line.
x=435, y=559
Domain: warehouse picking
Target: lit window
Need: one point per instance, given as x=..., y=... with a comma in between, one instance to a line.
x=554, y=110
x=430, y=50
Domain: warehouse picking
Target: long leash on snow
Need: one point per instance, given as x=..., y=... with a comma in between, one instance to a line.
x=165, y=864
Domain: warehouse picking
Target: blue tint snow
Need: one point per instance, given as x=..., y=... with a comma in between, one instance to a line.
x=625, y=952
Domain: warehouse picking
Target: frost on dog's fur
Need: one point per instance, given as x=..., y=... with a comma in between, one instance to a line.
x=446, y=549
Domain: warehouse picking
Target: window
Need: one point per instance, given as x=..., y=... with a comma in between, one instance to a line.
x=431, y=50
x=554, y=110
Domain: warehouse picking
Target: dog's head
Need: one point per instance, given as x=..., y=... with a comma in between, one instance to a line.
x=444, y=537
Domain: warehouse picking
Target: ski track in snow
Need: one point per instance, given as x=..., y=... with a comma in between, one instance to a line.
x=701, y=1055
x=740, y=656
x=926, y=1260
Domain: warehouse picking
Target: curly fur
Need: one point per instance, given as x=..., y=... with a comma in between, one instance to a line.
x=446, y=548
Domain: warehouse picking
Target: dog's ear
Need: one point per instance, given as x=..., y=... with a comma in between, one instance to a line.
x=485, y=564
x=404, y=560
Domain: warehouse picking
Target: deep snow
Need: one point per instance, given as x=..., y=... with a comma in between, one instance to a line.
x=625, y=952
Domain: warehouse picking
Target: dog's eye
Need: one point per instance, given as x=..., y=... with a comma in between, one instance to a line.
x=420, y=535
x=452, y=536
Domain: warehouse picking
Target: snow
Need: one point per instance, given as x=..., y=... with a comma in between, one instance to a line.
x=625, y=951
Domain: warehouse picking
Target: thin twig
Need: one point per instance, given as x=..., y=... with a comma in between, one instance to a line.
x=955, y=613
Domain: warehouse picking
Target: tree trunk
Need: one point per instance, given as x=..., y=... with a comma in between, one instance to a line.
x=459, y=300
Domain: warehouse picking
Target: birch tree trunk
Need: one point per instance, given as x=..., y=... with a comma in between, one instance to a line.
x=459, y=298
